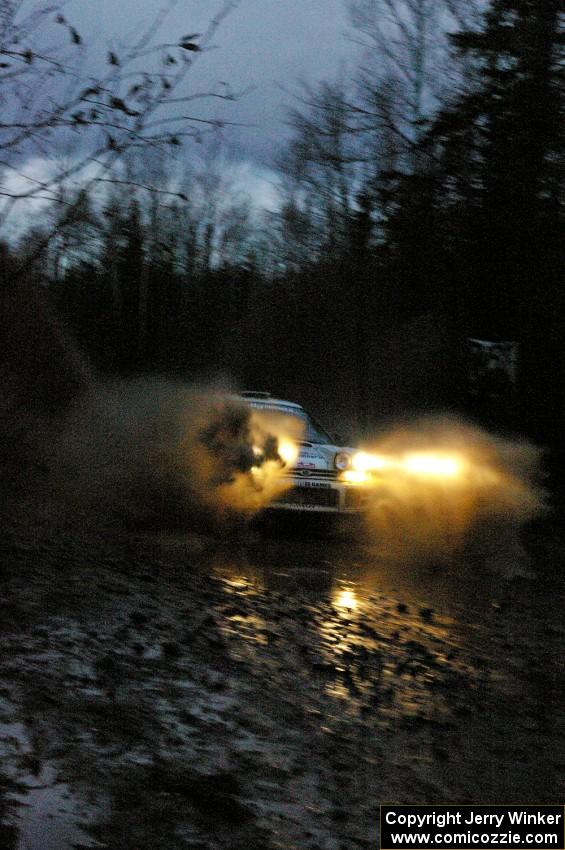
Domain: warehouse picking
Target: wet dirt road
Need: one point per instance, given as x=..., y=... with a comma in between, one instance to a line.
x=269, y=690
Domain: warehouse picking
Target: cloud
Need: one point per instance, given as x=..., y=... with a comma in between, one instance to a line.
x=261, y=184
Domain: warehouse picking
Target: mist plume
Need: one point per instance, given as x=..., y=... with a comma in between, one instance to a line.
x=480, y=510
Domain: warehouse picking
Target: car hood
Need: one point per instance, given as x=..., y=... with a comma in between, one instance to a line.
x=319, y=456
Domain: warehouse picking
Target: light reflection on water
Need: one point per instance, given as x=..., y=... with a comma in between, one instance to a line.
x=345, y=599
x=367, y=613
x=349, y=573
x=357, y=588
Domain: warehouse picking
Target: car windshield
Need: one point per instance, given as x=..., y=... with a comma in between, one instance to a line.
x=312, y=432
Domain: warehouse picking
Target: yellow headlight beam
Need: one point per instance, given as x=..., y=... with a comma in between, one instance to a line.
x=417, y=464
x=432, y=465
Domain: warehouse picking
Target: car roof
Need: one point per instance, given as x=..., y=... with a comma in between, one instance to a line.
x=260, y=398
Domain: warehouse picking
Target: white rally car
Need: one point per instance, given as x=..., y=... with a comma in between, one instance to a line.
x=321, y=475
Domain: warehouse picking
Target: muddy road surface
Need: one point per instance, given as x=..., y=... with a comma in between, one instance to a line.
x=268, y=689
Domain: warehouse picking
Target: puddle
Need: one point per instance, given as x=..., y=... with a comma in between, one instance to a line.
x=48, y=819
x=275, y=675
x=45, y=812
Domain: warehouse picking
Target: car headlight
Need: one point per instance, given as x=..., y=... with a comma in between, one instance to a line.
x=288, y=452
x=342, y=460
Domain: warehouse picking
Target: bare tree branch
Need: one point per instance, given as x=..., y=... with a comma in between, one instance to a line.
x=47, y=106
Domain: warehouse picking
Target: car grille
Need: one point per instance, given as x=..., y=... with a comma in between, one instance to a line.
x=309, y=496
x=326, y=474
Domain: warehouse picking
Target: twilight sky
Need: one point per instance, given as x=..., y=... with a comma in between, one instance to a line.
x=264, y=44
x=263, y=48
